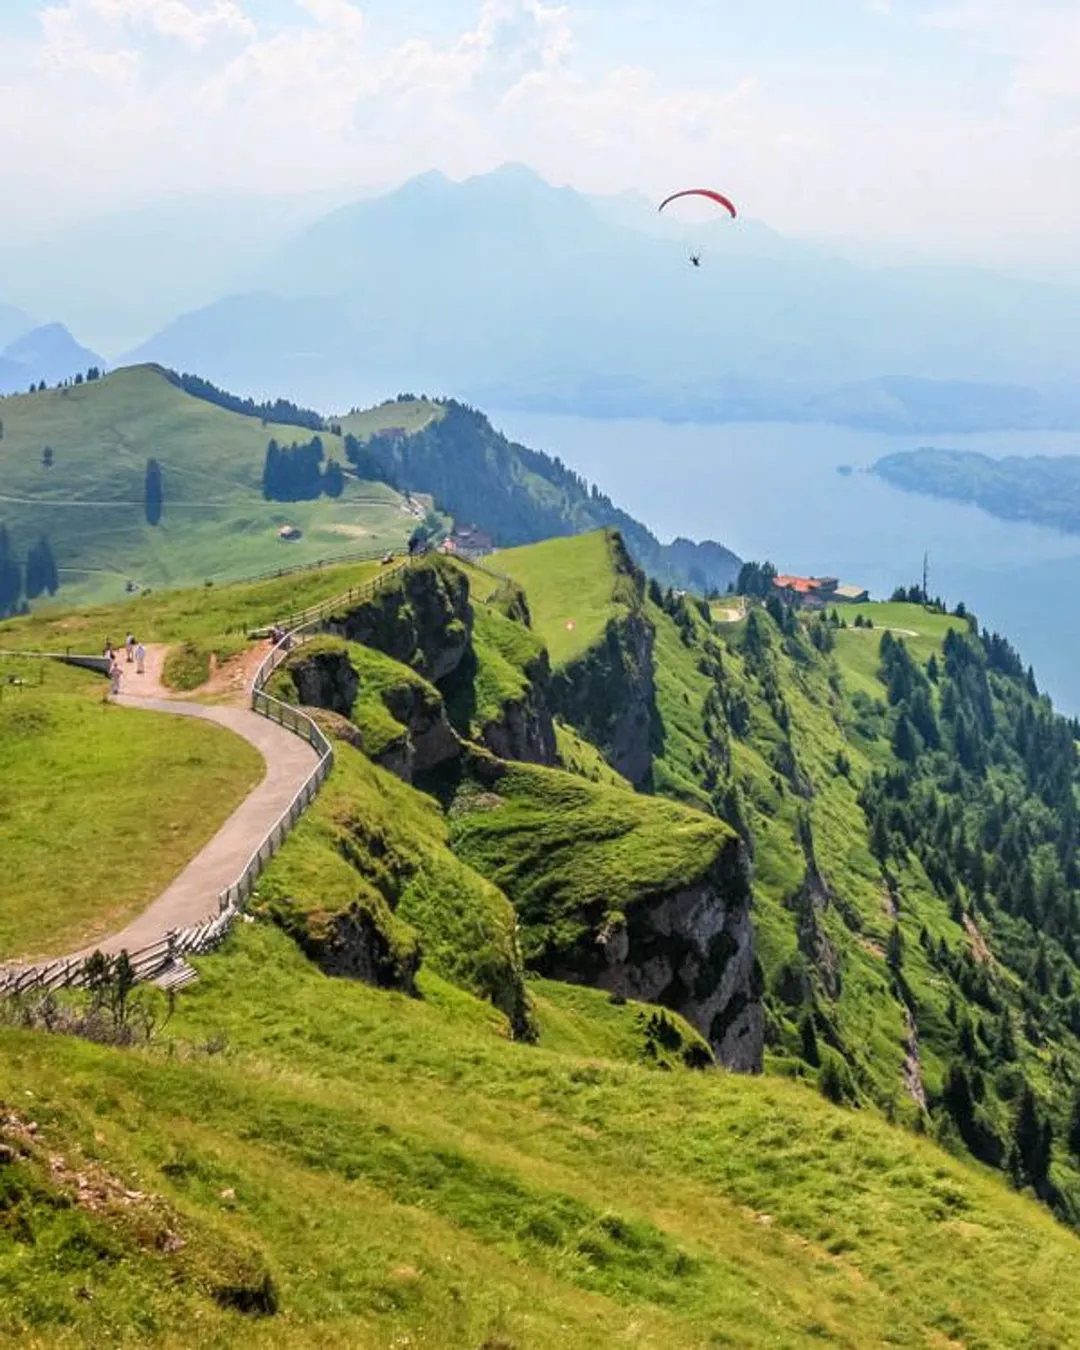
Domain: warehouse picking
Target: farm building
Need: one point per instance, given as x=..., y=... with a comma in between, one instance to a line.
x=815, y=592
x=468, y=542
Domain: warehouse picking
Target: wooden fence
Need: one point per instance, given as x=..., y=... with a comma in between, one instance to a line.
x=158, y=958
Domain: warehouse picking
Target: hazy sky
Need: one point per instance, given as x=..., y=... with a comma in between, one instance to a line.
x=950, y=126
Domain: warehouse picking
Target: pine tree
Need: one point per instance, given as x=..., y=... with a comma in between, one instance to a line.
x=333, y=482
x=154, y=492
x=41, y=573
x=905, y=747
x=1032, y=1143
x=10, y=576
x=1074, y=1125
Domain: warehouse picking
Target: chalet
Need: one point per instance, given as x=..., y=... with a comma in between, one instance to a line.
x=469, y=542
x=816, y=592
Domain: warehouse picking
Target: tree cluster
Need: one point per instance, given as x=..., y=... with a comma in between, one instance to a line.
x=297, y=473
x=280, y=410
x=19, y=584
x=756, y=580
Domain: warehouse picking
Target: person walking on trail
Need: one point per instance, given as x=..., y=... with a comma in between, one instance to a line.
x=114, y=679
x=130, y=645
x=140, y=659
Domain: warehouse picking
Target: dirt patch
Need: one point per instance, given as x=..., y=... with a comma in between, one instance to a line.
x=232, y=679
x=84, y=1182
x=872, y=948
x=979, y=949
x=350, y=531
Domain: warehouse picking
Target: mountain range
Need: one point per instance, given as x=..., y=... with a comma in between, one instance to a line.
x=506, y=290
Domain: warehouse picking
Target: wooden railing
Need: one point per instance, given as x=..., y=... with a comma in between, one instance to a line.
x=158, y=957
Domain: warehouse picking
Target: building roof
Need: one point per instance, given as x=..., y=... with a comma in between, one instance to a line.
x=851, y=592
x=801, y=585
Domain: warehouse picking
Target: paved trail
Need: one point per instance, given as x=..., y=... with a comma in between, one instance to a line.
x=192, y=897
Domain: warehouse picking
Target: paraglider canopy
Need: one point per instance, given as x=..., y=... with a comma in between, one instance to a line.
x=717, y=197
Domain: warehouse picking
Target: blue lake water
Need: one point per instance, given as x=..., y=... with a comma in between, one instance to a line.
x=772, y=490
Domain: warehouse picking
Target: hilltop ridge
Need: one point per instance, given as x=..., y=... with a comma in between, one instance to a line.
x=74, y=464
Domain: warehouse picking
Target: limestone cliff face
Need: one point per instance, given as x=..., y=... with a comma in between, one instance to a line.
x=325, y=679
x=609, y=695
x=425, y=622
x=525, y=730
x=692, y=950
x=427, y=740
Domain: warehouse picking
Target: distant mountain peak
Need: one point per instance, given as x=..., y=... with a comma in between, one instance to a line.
x=49, y=353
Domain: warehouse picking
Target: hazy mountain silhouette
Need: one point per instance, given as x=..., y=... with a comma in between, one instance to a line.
x=47, y=353
x=506, y=287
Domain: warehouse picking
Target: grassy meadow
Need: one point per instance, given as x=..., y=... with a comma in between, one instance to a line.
x=216, y=523
x=571, y=588
x=214, y=617
x=392, y=1171
x=100, y=806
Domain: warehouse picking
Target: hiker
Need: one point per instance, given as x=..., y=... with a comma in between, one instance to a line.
x=108, y=653
x=140, y=658
x=130, y=645
x=114, y=679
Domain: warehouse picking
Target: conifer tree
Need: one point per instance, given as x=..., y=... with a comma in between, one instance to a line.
x=10, y=576
x=154, y=492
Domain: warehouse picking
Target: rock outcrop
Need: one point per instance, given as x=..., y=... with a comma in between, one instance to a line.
x=609, y=695
x=357, y=946
x=427, y=739
x=525, y=730
x=425, y=622
x=693, y=951
x=325, y=679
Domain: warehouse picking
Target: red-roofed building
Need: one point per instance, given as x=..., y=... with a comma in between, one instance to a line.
x=808, y=592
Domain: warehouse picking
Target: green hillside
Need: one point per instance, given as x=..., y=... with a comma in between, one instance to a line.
x=457, y=1085
x=90, y=501
x=315, y=1162
x=517, y=494
x=102, y=806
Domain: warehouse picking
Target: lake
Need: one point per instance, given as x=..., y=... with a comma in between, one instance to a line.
x=772, y=490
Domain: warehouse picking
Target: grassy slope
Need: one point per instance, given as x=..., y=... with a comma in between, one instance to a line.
x=216, y=523
x=372, y=842
x=571, y=589
x=101, y=807
x=411, y=416
x=865, y=1014
x=215, y=616
x=408, y=1177
x=563, y=848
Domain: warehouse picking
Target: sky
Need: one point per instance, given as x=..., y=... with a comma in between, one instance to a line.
x=947, y=128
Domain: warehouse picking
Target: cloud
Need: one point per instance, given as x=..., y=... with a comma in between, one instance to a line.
x=904, y=128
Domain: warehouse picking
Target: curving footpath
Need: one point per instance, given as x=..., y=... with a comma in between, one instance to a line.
x=289, y=763
x=297, y=756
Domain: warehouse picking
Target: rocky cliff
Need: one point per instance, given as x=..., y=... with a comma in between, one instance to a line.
x=425, y=621
x=632, y=894
x=691, y=950
x=609, y=696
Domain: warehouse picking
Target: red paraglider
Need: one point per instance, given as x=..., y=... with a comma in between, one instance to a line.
x=717, y=197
